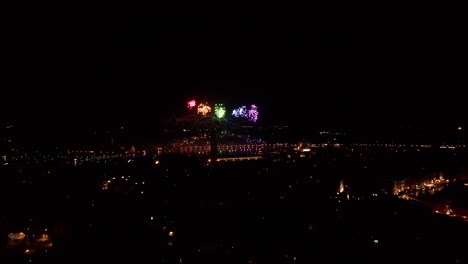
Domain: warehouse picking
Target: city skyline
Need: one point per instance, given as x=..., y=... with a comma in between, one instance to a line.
x=137, y=135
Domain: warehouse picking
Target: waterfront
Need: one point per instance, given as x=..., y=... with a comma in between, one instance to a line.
x=438, y=191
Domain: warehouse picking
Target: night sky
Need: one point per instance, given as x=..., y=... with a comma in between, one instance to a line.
x=340, y=69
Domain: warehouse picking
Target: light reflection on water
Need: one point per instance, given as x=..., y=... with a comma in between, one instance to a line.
x=422, y=186
x=429, y=192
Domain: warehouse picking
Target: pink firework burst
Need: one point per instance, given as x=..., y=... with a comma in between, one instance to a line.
x=191, y=104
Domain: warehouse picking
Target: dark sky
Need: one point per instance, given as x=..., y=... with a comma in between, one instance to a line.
x=338, y=69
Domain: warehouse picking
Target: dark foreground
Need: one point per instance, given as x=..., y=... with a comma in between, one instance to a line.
x=184, y=211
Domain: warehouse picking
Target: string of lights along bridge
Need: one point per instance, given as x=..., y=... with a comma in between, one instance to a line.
x=220, y=110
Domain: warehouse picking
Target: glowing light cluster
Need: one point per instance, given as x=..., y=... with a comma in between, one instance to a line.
x=251, y=114
x=203, y=109
x=220, y=111
x=240, y=112
x=191, y=104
